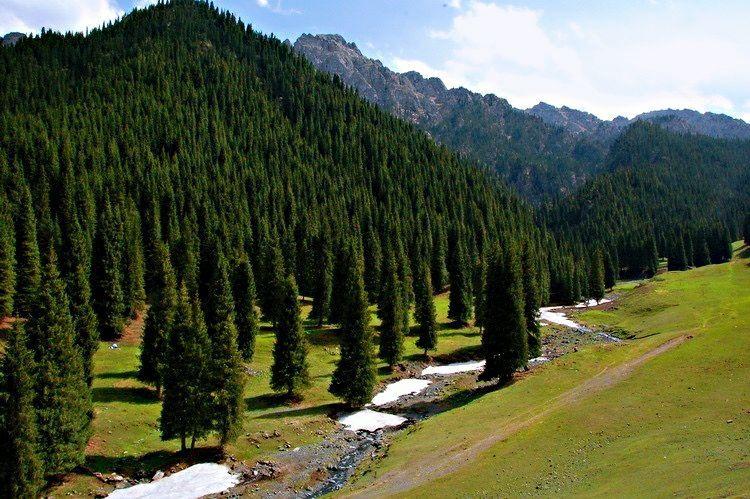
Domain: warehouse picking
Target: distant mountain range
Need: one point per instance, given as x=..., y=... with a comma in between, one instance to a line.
x=544, y=150
x=686, y=121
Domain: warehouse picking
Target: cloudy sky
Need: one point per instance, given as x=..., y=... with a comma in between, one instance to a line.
x=609, y=57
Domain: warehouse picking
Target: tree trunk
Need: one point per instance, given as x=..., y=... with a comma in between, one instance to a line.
x=182, y=442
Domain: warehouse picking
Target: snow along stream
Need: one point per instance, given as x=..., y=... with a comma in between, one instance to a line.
x=193, y=482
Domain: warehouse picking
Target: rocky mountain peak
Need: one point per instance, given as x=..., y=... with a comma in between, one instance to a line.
x=12, y=38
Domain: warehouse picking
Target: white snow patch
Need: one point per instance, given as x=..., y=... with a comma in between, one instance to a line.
x=370, y=420
x=548, y=314
x=400, y=388
x=458, y=367
x=193, y=482
x=592, y=303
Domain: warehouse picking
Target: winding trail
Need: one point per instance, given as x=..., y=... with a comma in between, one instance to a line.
x=431, y=467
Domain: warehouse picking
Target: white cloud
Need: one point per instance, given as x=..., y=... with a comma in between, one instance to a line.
x=456, y=4
x=619, y=66
x=63, y=15
x=142, y=4
x=277, y=7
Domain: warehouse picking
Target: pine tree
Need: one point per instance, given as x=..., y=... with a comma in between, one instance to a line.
x=289, y=372
x=186, y=410
x=596, y=287
x=79, y=292
x=273, y=282
x=63, y=398
x=437, y=262
x=107, y=281
x=391, y=311
x=424, y=310
x=133, y=266
x=354, y=377
x=504, y=340
x=700, y=247
x=676, y=259
x=7, y=267
x=323, y=279
x=28, y=273
x=158, y=321
x=611, y=272
x=459, y=303
x=532, y=302
x=246, y=317
x=651, y=254
x=227, y=377
x=477, y=285
x=746, y=230
x=20, y=465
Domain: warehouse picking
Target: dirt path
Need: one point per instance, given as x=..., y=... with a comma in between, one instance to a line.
x=433, y=466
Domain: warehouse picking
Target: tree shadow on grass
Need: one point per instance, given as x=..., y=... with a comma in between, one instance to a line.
x=467, y=353
x=323, y=337
x=292, y=412
x=131, y=395
x=144, y=466
x=122, y=375
x=466, y=334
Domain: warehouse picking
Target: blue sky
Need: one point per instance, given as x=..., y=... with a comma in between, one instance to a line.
x=607, y=57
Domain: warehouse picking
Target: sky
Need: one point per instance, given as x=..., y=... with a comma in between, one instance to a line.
x=608, y=57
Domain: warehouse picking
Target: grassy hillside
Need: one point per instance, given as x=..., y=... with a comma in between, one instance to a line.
x=666, y=413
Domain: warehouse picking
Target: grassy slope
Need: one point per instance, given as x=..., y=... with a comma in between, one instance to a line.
x=678, y=424
x=126, y=436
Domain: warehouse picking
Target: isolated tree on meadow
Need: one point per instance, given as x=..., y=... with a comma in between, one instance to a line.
x=246, y=317
x=424, y=310
x=186, y=409
x=290, y=371
x=459, y=300
x=158, y=321
x=354, y=377
x=63, y=398
x=478, y=278
x=21, y=469
x=504, y=340
x=391, y=311
x=270, y=294
x=227, y=376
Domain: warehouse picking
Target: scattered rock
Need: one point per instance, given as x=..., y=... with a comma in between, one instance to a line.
x=157, y=476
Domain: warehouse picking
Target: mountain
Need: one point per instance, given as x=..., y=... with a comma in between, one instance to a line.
x=180, y=125
x=543, y=151
x=537, y=158
x=11, y=38
x=684, y=121
x=658, y=184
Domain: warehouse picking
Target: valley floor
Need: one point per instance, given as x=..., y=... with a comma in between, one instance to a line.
x=667, y=411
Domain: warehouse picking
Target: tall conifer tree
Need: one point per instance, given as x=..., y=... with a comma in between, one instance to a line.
x=7, y=267
x=504, y=340
x=246, y=317
x=532, y=301
x=424, y=310
x=459, y=304
x=354, y=377
x=391, y=311
x=63, y=397
x=322, y=278
x=20, y=466
x=107, y=280
x=158, y=321
x=289, y=372
x=186, y=410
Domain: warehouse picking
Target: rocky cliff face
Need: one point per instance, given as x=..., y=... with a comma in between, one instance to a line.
x=521, y=147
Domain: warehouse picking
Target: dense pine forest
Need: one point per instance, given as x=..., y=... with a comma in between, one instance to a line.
x=681, y=197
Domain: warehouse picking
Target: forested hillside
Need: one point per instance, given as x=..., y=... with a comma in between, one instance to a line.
x=179, y=159
x=536, y=158
x=678, y=196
